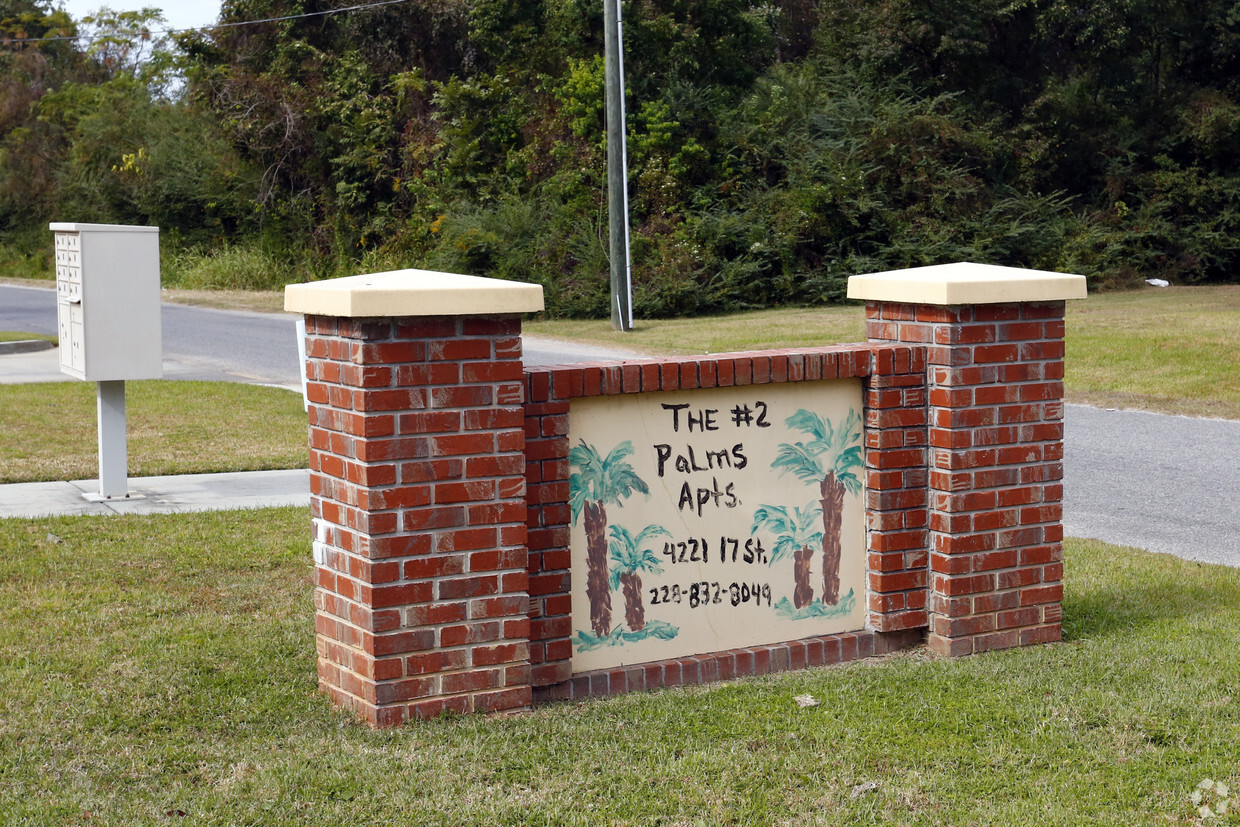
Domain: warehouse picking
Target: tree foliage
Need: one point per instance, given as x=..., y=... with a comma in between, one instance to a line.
x=774, y=149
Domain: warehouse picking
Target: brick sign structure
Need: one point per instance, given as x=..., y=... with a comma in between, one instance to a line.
x=451, y=492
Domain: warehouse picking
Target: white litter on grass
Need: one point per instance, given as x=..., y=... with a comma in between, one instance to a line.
x=805, y=700
x=321, y=544
x=1158, y=282
x=862, y=789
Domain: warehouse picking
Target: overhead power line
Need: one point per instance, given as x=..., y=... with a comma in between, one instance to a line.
x=212, y=27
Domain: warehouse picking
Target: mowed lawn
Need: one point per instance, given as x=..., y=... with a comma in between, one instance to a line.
x=158, y=670
x=1172, y=350
x=49, y=429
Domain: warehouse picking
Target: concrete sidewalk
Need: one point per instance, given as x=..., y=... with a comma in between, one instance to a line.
x=159, y=495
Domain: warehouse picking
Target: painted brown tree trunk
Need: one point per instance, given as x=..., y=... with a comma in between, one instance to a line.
x=597, y=590
x=634, y=610
x=803, y=592
x=832, y=515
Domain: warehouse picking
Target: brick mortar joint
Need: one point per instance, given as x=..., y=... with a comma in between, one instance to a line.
x=411, y=558
x=427, y=627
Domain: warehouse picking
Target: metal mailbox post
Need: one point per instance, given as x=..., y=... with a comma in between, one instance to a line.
x=107, y=308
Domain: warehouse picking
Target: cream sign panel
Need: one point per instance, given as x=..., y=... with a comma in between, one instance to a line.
x=714, y=519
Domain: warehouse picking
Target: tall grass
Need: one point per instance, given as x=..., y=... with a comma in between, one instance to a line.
x=231, y=267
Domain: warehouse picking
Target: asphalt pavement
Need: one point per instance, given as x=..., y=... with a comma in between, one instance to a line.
x=225, y=345
x=1161, y=483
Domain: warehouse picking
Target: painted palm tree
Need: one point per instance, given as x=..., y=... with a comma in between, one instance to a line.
x=596, y=482
x=631, y=555
x=796, y=533
x=829, y=460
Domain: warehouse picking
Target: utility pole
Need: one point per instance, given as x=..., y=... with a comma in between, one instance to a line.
x=617, y=170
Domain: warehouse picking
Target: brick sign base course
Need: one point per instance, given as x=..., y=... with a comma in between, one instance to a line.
x=439, y=476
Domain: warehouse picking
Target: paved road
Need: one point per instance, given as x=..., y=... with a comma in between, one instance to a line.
x=28, y=309
x=202, y=343
x=198, y=342
x=1162, y=483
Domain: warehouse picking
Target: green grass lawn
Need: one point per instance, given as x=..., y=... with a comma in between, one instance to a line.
x=1173, y=350
x=19, y=336
x=160, y=670
x=754, y=330
x=173, y=428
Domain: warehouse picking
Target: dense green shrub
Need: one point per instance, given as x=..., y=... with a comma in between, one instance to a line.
x=773, y=150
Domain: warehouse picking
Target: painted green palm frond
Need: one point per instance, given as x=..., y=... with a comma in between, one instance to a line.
x=597, y=479
x=576, y=496
x=774, y=517
x=808, y=525
x=621, y=539
x=812, y=424
x=649, y=561
x=642, y=561
x=849, y=433
x=648, y=532
x=852, y=482
x=792, y=530
x=619, y=479
x=846, y=468
x=619, y=557
x=622, y=450
x=626, y=547
x=850, y=457
x=801, y=459
x=583, y=482
x=631, y=553
x=585, y=458
x=835, y=450
x=784, y=546
x=807, y=520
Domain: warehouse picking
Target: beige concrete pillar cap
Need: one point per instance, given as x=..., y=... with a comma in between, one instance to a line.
x=412, y=293
x=966, y=283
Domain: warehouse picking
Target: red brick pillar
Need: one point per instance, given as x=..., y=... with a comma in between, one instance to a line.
x=994, y=357
x=417, y=470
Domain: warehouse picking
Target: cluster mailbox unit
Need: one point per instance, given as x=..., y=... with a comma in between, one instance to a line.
x=107, y=303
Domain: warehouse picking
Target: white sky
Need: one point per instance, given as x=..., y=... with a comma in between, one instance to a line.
x=180, y=14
